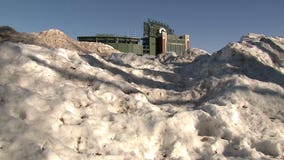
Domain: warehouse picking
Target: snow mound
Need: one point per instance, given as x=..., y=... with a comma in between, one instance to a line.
x=60, y=104
x=190, y=55
x=54, y=38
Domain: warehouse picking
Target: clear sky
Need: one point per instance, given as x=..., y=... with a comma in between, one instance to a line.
x=210, y=23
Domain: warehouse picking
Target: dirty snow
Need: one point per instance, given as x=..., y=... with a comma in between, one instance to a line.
x=60, y=104
x=54, y=38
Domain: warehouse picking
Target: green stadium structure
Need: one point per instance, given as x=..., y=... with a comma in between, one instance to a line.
x=157, y=38
x=123, y=44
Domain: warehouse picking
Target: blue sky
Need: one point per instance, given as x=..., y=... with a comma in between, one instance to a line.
x=210, y=23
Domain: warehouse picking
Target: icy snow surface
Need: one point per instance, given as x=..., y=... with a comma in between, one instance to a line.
x=57, y=104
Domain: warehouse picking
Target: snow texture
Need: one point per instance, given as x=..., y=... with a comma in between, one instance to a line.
x=60, y=104
x=54, y=38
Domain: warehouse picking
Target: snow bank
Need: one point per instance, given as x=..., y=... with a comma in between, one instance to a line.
x=59, y=104
x=190, y=55
x=54, y=38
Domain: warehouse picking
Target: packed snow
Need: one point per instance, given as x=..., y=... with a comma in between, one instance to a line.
x=66, y=104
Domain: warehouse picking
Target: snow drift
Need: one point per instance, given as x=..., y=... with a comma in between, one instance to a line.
x=67, y=104
x=54, y=38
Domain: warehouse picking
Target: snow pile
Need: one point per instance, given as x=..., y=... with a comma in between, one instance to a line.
x=63, y=104
x=54, y=38
x=190, y=55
